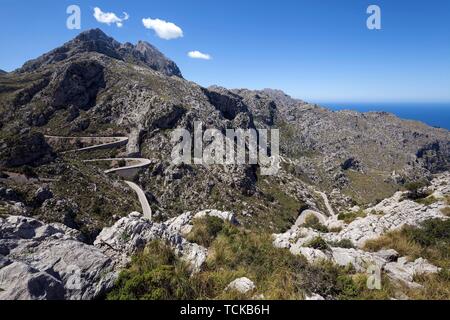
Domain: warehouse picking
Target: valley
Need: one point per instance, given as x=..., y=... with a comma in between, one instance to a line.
x=87, y=183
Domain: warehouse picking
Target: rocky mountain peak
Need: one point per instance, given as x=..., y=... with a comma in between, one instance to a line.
x=93, y=35
x=96, y=41
x=156, y=60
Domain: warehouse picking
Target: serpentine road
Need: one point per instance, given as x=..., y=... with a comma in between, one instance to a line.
x=327, y=203
x=129, y=171
x=323, y=195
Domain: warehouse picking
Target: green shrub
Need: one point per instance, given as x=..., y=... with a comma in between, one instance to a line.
x=416, y=185
x=431, y=233
x=122, y=163
x=344, y=243
x=349, y=217
x=318, y=243
x=427, y=201
x=313, y=222
x=155, y=274
x=205, y=230
x=414, y=190
x=29, y=172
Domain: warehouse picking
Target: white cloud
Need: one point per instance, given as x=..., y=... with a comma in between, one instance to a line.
x=164, y=30
x=199, y=55
x=109, y=17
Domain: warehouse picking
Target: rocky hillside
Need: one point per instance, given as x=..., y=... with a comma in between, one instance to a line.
x=337, y=166
x=94, y=85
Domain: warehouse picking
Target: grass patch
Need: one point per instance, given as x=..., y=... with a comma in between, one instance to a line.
x=318, y=243
x=344, y=243
x=205, y=230
x=349, y=217
x=446, y=211
x=313, y=222
x=369, y=187
x=156, y=273
x=427, y=201
x=430, y=241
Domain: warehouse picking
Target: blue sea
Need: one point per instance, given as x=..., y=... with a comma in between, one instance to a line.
x=433, y=114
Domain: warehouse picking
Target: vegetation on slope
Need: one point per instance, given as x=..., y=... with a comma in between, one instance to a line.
x=430, y=241
x=156, y=273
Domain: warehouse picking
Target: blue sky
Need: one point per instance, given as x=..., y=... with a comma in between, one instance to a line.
x=317, y=50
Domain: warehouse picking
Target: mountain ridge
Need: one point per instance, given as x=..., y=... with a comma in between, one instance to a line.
x=93, y=90
x=95, y=40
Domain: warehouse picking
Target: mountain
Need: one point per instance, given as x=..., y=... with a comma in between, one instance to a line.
x=96, y=86
x=142, y=54
x=2, y=71
x=337, y=166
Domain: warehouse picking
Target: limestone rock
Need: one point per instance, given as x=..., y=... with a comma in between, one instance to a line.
x=312, y=255
x=225, y=216
x=42, y=194
x=132, y=233
x=47, y=261
x=404, y=271
x=314, y=296
x=393, y=213
x=19, y=281
x=241, y=285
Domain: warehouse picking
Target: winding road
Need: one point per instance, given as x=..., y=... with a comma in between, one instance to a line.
x=105, y=142
x=327, y=203
x=129, y=171
x=323, y=195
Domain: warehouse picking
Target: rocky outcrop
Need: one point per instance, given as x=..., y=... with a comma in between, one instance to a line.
x=394, y=213
x=24, y=149
x=390, y=214
x=19, y=281
x=78, y=85
x=398, y=269
x=132, y=233
x=225, y=216
x=48, y=261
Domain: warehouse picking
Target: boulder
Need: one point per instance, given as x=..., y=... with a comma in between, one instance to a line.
x=19, y=281
x=48, y=261
x=314, y=296
x=242, y=285
x=42, y=194
x=224, y=215
x=312, y=255
x=404, y=271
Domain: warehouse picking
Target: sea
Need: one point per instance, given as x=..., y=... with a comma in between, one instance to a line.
x=434, y=114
